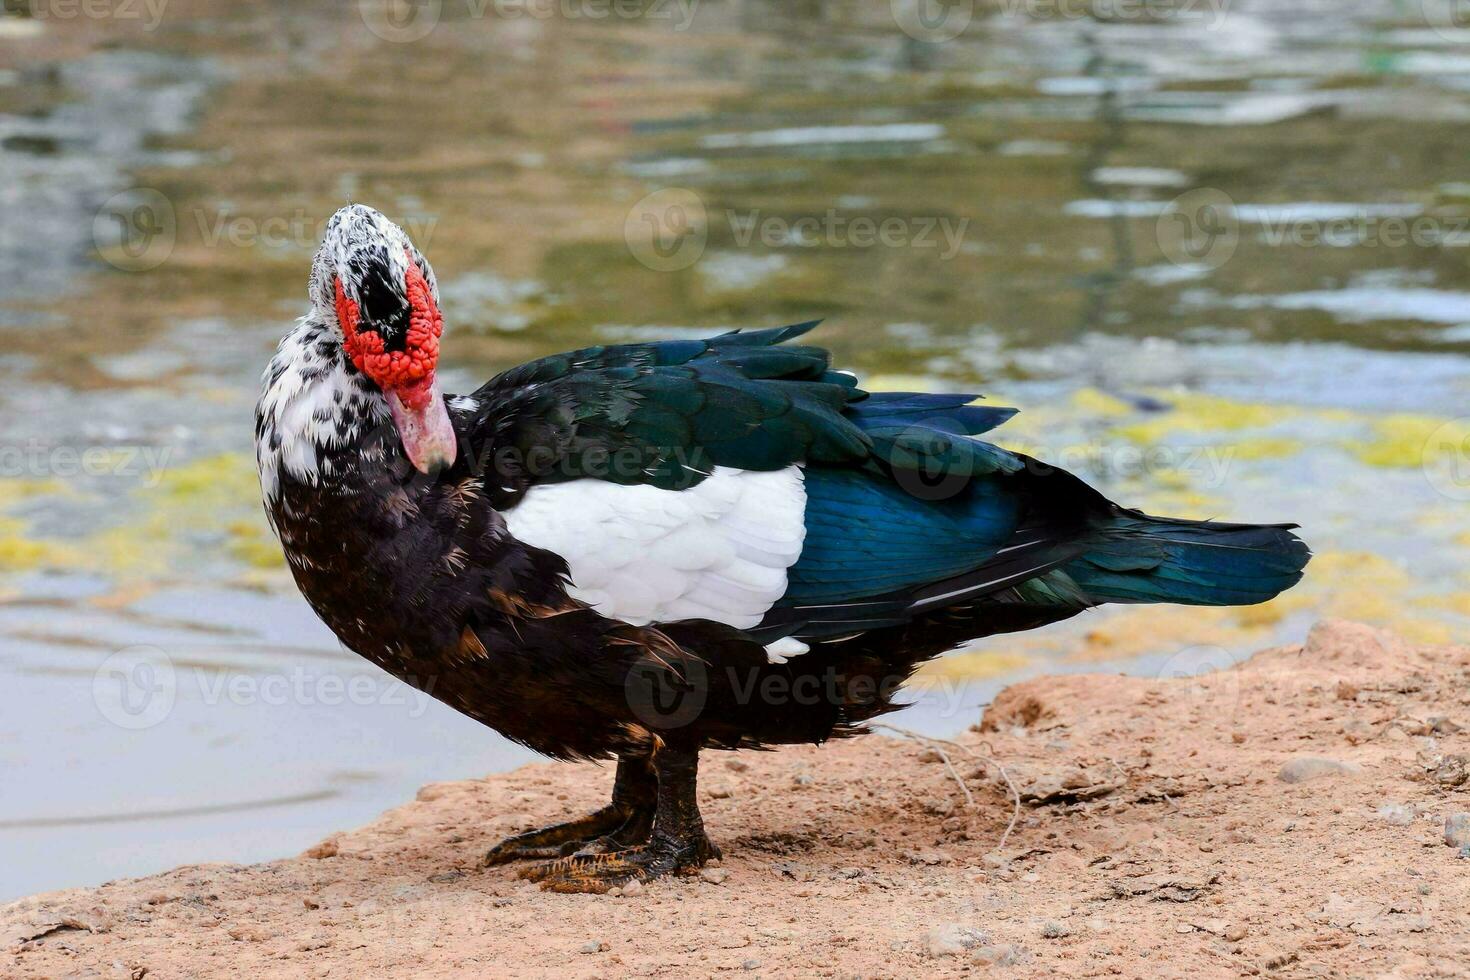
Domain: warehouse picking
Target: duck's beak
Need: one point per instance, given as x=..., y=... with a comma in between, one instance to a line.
x=423, y=425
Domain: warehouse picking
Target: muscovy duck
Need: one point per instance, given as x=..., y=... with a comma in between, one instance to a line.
x=645, y=550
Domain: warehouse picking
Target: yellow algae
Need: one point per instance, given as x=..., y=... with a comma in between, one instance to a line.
x=17, y=551
x=19, y=490
x=1264, y=448
x=1273, y=611
x=253, y=545
x=1404, y=440
x=1455, y=602
x=897, y=382
x=1195, y=414
x=1341, y=569
x=1143, y=630
x=132, y=549
x=1364, y=606
x=1423, y=631
x=976, y=664
x=1100, y=404
x=230, y=476
x=1189, y=504
x=20, y=552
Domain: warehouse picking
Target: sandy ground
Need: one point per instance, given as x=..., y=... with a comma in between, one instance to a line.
x=1286, y=818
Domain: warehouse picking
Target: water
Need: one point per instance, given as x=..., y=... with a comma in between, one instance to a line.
x=1220, y=259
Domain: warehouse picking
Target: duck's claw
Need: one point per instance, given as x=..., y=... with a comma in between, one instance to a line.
x=598, y=871
x=620, y=824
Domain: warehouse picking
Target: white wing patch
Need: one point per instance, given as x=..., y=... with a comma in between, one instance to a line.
x=717, y=551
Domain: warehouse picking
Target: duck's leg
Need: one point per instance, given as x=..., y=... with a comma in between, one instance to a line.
x=678, y=844
x=624, y=822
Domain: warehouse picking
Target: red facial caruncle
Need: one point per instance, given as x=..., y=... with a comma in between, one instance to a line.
x=406, y=377
x=409, y=371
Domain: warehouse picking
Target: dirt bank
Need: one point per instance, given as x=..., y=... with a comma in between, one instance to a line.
x=1286, y=818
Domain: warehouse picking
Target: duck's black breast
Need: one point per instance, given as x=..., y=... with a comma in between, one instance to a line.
x=420, y=577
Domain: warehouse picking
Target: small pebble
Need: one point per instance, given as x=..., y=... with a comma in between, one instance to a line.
x=952, y=938
x=1457, y=830
x=1055, y=930
x=1235, y=933
x=593, y=947
x=1397, y=814
x=1305, y=768
x=937, y=806
x=715, y=876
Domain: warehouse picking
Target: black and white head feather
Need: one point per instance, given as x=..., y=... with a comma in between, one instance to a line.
x=313, y=399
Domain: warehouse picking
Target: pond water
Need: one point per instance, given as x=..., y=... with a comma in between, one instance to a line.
x=1218, y=254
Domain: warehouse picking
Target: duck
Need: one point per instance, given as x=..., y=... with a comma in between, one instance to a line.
x=637, y=553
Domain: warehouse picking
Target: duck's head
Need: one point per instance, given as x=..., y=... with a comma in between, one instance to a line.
x=378, y=289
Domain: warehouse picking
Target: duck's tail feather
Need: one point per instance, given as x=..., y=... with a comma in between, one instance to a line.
x=1140, y=558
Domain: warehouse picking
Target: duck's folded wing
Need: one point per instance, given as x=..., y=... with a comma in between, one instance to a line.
x=680, y=480
x=662, y=415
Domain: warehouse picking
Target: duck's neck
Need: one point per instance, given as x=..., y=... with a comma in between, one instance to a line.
x=313, y=406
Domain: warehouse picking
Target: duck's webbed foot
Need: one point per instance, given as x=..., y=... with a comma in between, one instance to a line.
x=625, y=822
x=678, y=844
